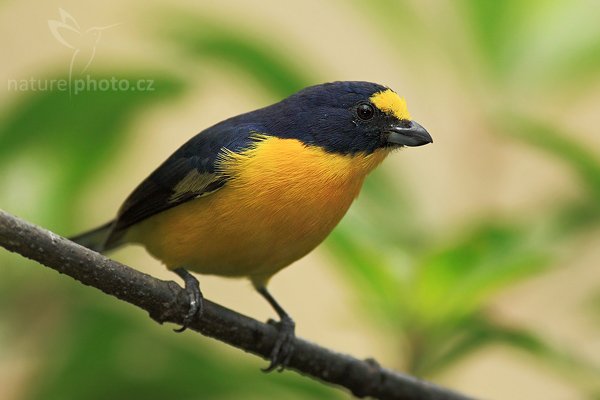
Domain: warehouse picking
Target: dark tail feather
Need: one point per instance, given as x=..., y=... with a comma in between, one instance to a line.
x=96, y=238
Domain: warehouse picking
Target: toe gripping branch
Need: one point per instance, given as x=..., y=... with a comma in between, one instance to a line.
x=192, y=288
x=284, y=345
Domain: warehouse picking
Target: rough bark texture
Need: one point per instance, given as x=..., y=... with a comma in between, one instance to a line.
x=166, y=301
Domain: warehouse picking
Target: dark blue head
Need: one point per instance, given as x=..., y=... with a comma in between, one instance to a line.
x=344, y=117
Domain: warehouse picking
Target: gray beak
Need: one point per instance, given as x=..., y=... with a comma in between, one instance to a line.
x=411, y=134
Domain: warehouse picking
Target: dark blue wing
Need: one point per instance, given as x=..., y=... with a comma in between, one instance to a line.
x=187, y=174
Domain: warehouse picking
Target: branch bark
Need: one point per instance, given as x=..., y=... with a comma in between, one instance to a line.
x=166, y=301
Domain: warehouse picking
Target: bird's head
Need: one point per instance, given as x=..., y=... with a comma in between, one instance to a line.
x=96, y=31
x=348, y=118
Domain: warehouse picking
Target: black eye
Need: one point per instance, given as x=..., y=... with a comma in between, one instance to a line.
x=365, y=111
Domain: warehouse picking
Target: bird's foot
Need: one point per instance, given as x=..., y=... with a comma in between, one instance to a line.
x=284, y=345
x=192, y=288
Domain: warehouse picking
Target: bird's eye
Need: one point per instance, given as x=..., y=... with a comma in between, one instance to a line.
x=365, y=111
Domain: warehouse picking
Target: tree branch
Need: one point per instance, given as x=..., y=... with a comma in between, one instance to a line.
x=166, y=301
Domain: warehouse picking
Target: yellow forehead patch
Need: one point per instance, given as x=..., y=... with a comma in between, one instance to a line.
x=389, y=102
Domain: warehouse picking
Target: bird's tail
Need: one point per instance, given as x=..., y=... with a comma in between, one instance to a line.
x=95, y=239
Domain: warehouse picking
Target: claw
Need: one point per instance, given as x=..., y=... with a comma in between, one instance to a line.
x=192, y=287
x=284, y=345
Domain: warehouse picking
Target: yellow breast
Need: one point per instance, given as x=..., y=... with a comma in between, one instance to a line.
x=282, y=200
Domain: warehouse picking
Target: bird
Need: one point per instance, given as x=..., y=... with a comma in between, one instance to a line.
x=83, y=42
x=254, y=193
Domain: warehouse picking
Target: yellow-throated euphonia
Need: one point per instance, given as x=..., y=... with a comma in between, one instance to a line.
x=256, y=192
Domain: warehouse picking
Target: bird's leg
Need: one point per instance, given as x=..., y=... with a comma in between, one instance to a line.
x=192, y=288
x=284, y=346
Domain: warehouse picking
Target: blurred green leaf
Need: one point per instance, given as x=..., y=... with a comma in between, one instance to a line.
x=74, y=135
x=581, y=64
x=558, y=143
x=377, y=285
x=579, y=157
x=104, y=352
x=562, y=46
x=375, y=242
x=497, y=29
x=593, y=305
x=479, y=331
x=385, y=212
x=206, y=39
x=430, y=295
x=457, y=280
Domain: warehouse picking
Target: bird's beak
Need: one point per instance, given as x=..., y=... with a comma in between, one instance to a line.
x=109, y=26
x=408, y=134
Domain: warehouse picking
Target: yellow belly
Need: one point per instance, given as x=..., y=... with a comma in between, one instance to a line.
x=283, y=199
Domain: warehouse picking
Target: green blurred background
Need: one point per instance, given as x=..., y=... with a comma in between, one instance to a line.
x=472, y=262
